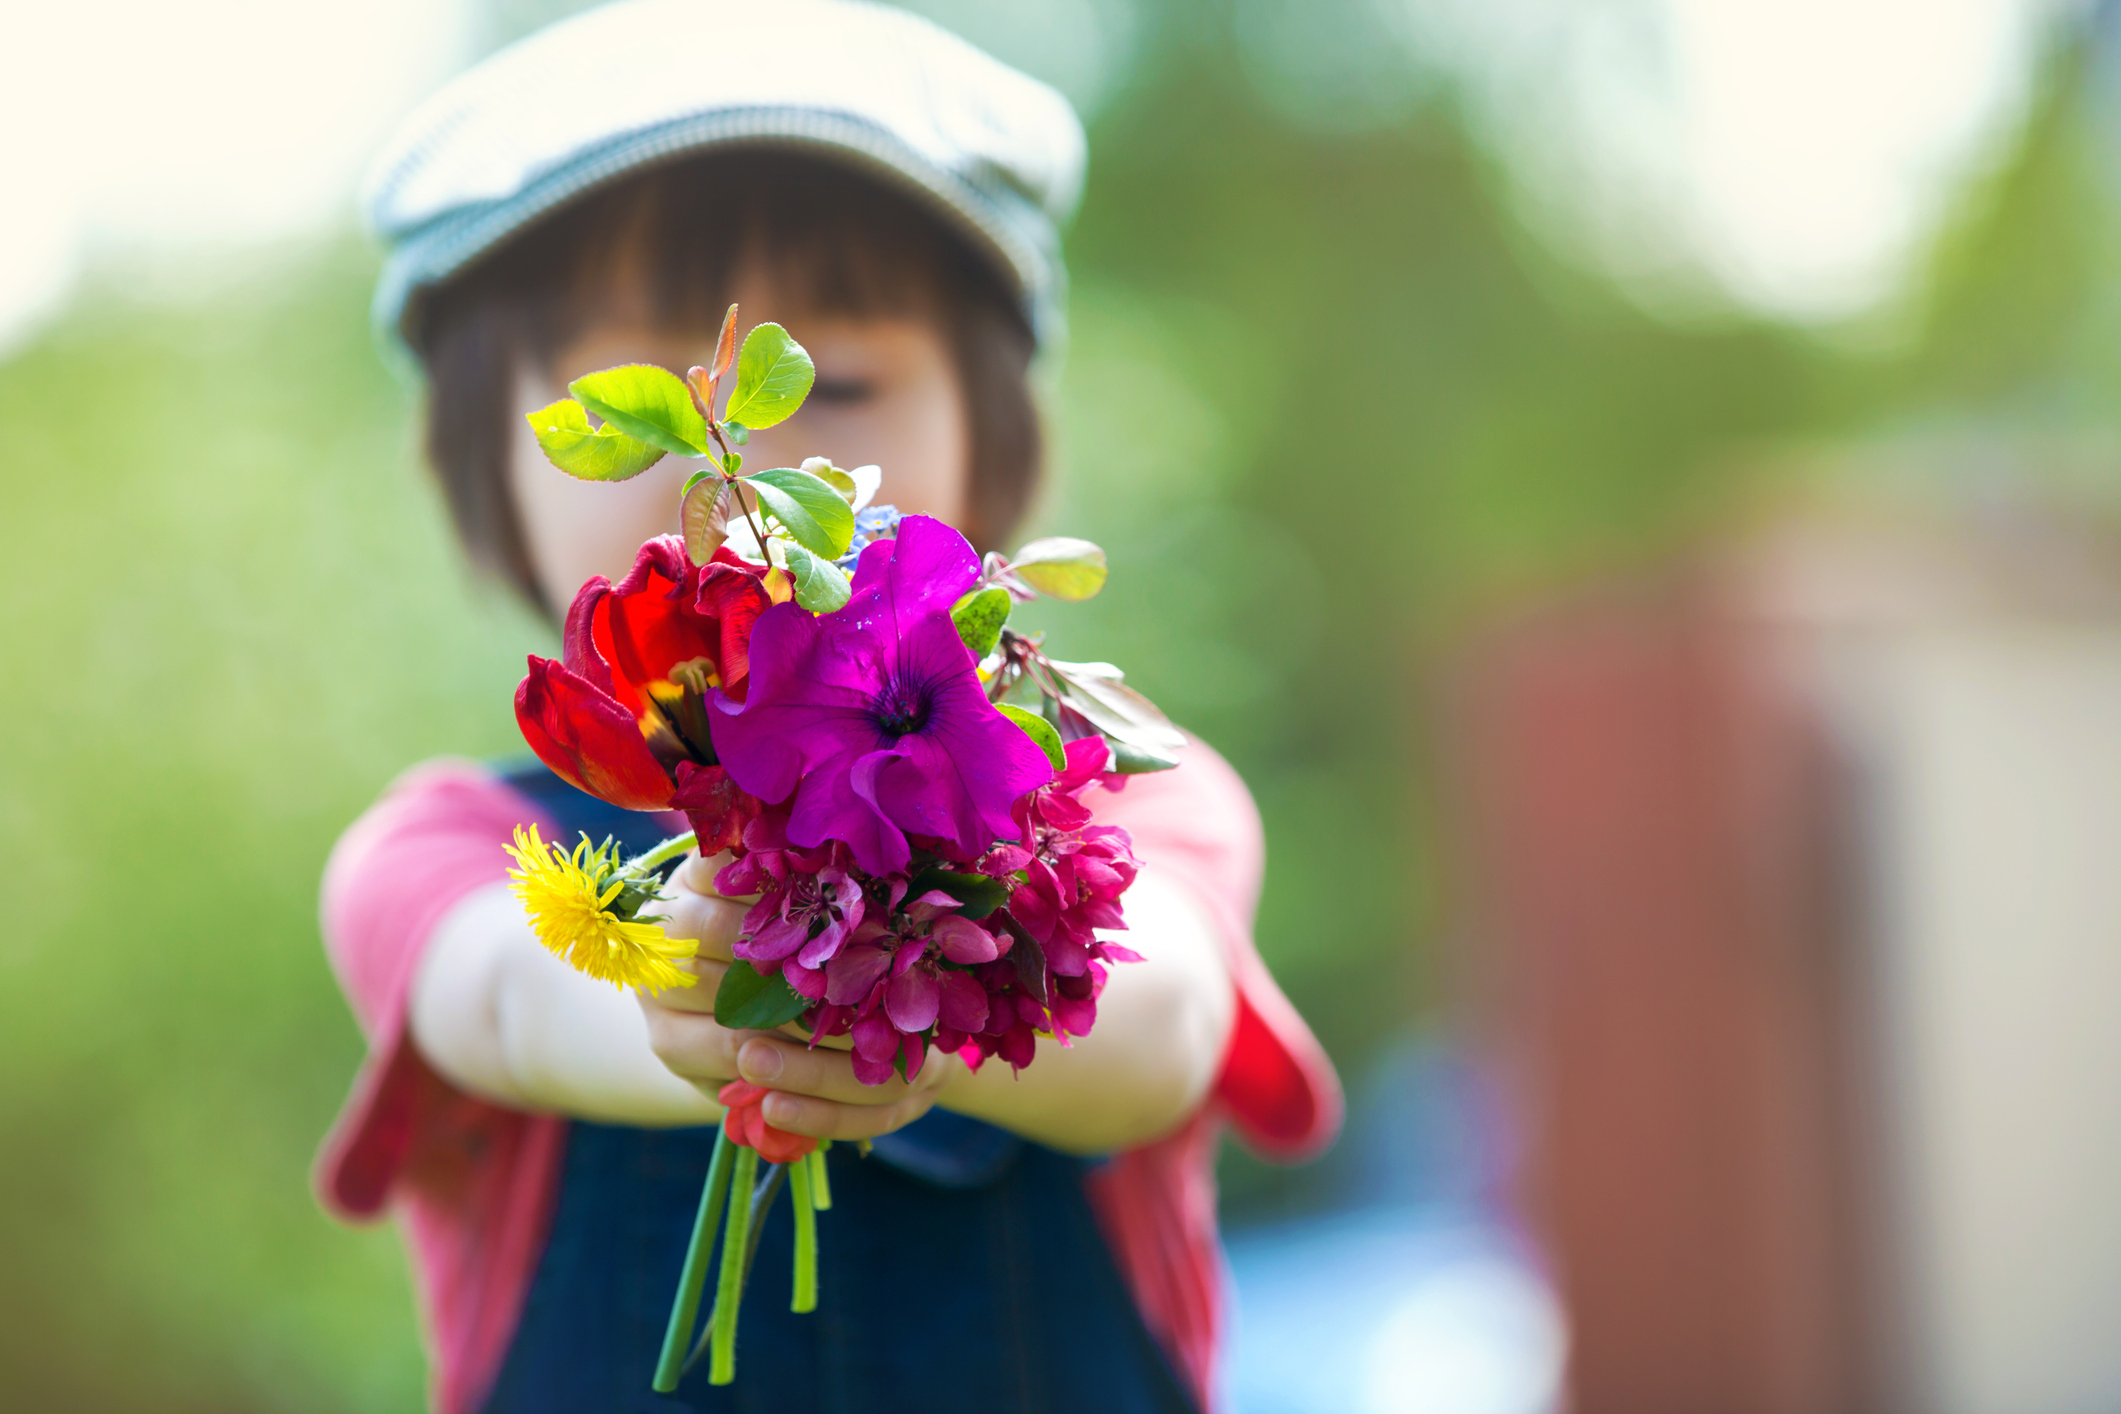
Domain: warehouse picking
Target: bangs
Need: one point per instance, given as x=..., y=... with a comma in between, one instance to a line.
x=666, y=246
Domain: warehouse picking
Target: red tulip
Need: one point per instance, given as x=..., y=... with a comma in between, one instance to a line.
x=623, y=714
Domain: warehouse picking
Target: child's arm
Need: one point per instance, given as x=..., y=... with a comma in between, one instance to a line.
x=1162, y=1027
x=499, y=1016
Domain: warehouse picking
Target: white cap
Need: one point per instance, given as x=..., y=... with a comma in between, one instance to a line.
x=594, y=98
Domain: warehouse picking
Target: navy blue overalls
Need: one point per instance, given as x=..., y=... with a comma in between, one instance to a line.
x=960, y=1269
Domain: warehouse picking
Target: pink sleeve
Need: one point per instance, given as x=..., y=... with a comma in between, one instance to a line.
x=471, y=1183
x=434, y=837
x=1197, y=824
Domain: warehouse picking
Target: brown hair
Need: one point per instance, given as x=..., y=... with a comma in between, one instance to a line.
x=842, y=243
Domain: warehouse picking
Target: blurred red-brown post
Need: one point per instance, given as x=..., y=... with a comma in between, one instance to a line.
x=1649, y=827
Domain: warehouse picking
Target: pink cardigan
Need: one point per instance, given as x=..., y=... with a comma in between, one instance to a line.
x=473, y=1183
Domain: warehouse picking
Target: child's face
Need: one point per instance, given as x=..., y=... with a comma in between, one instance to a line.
x=887, y=392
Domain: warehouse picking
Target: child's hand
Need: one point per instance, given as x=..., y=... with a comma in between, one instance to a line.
x=815, y=1091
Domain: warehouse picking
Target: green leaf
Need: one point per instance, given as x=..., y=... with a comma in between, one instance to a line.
x=1131, y=760
x=1061, y=566
x=1039, y=730
x=807, y=508
x=600, y=454
x=819, y=585
x=979, y=617
x=1129, y=757
x=840, y=481
x=647, y=402
x=747, y=1001
x=977, y=894
x=1029, y=957
x=1099, y=693
x=773, y=376
x=703, y=516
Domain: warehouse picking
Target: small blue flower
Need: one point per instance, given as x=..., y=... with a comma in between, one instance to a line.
x=871, y=523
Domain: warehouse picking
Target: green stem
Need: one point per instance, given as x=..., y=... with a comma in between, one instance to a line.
x=762, y=1205
x=820, y=1178
x=662, y=854
x=805, y=1237
x=714, y=430
x=758, y=528
x=721, y=1365
x=768, y=1189
x=761, y=1208
x=686, y=1308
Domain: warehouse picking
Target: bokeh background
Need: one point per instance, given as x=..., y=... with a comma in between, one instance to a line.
x=1403, y=331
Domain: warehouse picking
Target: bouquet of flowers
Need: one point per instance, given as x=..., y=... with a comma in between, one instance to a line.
x=830, y=693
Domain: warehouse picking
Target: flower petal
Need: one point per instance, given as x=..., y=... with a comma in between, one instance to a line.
x=1102, y=913
x=830, y=1020
x=734, y=598
x=1088, y=758
x=759, y=915
x=588, y=739
x=1032, y=903
x=778, y=1146
x=806, y=982
x=792, y=718
x=742, y=876
x=929, y=566
x=846, y=809
x=1018, y=1046
x=767, y=834
x=714, y=805
x=1068, y=954
x=912, y=999
x=1074, y=1016
x=964, y=941
x=809, y=726
x=962, y=772
x=873, y=1072
x=962, y=1003
x=1004, y=860
x=778, y=939
x=875, y=1038
x=647, y=624
x=849, y=976
x=751, y=1125
x=739, y=1092
x=578, y=648
x=826, y=945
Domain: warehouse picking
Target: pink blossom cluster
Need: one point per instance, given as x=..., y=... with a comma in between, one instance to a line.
x=937, y=954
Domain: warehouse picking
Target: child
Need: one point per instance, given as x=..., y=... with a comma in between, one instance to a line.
x=596, y=195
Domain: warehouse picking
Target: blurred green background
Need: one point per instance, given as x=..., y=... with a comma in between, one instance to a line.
x=1328, y=404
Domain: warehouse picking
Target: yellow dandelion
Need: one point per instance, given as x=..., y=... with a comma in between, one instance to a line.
x=569, y=900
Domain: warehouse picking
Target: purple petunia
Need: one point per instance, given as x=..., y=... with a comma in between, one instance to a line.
x=873, y=717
